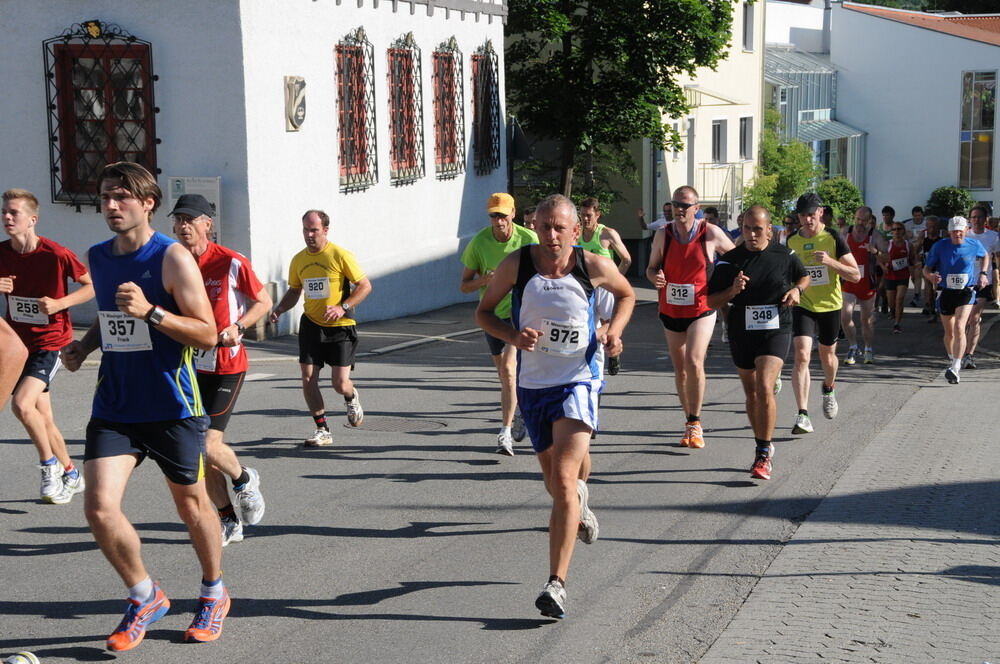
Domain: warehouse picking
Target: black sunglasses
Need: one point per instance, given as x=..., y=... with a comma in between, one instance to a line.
x=680, y=205
x=497, y=215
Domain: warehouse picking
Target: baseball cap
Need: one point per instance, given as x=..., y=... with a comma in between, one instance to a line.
x=194, y=205
x=957, y=223
x=502, y=203
x=808, y=203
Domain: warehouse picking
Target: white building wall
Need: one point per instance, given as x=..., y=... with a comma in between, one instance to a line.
x=794, y=23
x=903, y=84
x=405, y=237
x=201, y=119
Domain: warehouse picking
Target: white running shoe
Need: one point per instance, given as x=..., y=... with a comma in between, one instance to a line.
x=70, y=487
x=830, y=407
x=802, y=424
x=505, y=443
x=589, y=529
x=951, y=376
x=232, y=531
x=355, y=413
x=320, y=438
x=552, y=600
x=852, y=356
x=517, y=429
x=869, y=356
x=52, y=482
x=249, y=499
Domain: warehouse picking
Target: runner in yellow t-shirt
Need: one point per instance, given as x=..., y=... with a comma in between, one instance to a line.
x=327, y=333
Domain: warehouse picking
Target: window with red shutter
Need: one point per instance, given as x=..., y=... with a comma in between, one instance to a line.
x=356, y=112
x=406, y=110
x=449, y=119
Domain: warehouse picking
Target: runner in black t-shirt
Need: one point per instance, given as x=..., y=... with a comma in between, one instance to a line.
x=761, y=281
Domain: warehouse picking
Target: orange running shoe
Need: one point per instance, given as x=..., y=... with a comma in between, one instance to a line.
x=207, y=623
x=761, y=468
x=132, y=629
x=694, y=435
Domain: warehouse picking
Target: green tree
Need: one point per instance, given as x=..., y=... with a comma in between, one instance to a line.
x=841, y=194
x=786, y=169
x=946, y=202
x=604, y=72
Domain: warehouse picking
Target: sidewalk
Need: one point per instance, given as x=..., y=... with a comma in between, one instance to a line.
x=901, y=561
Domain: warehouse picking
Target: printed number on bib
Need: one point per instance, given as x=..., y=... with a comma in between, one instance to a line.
x=121, y=333
x=899, y=263
x=957, y=281
x=818, y=275
x=861, y=270
x=762, y=317
x=680, y=294
x=205, y=360
x=317, y=288
x=563, y=338
x=26, y=310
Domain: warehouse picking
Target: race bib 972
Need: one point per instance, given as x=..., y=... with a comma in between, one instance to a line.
x=563, y=337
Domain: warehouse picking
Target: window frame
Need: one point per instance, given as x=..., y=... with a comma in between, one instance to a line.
x=719, y=129
x=746, y=138
x=406, y=111
x=748, y=27
x=449, y=110
x=485, y=110
x=970, y=133
x=356, y=136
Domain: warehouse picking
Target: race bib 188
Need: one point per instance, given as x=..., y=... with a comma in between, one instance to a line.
x=26, y=310
x=121, y=333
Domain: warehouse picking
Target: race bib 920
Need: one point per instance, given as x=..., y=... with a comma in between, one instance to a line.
x=26, y=310
x=121, y=333
x=317, y=288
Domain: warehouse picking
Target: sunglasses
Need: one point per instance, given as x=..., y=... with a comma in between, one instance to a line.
x=497, y=215
x=678, y=205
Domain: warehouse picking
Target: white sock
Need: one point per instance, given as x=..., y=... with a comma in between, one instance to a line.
x=212, y=590
x=956, y=365
x=142, y=592
x=505, y=430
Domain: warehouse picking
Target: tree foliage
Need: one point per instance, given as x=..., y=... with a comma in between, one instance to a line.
x=946, y=202
x=841, y=194
x=786, y=169
x=604, y=72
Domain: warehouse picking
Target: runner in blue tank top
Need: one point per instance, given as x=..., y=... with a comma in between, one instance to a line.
x=152, y=308
x=558, y=379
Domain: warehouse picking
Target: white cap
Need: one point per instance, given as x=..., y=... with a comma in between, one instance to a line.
x=957, y=223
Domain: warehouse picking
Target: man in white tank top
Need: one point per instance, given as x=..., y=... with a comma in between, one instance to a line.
x=554, y=327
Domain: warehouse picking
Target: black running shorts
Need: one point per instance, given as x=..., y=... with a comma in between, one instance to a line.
x=219, y=393
x=681, y=325
x=746, y=347
x=321, y=345
x=824, y=324
x=496, y=345
x=949, y=300
x=177, y=446
x=43, y=365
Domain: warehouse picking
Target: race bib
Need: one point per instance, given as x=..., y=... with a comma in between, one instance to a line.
x=680, y=294
x=818, y=275
x=317, y=288
x=956, y=281
x=861, y=269
x=762, y=317
x=26, y=310
x=205, y=360
x=900, y=263
x=121, y=333
x=563, y=338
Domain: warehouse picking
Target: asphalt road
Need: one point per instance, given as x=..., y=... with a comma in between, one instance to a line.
x=411, y=541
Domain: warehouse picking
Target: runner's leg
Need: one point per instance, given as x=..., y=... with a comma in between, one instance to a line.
x=802, y=347
x=677, y=346
x=106, y=480
x=25, y=408
x=847, y=319
x=506, y=366
x=310, y=389
x=699, y=334
x=56, y=441
x=202, y=520
x=561, y=465
x=868, y=321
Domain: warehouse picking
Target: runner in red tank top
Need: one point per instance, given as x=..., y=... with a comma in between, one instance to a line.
x=901, y=257
x=678, y=267
x=238, y=301
x=864, y=244
x=34, y=273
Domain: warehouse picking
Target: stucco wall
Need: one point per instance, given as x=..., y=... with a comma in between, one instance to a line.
x=793, y=23
x=903, y=84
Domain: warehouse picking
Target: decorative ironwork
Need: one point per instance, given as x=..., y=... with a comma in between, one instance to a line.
x=485, y=110
x=406, y=111
x=449, y=111
x=356, y=112
x=99, y=89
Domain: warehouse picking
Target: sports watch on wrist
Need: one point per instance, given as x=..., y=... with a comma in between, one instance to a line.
x=156, y=316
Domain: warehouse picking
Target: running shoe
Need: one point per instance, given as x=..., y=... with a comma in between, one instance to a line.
x=207, y=623
x=249, y=499
x=505, y=443
x=355, y=413
x=869, y=356
x=589, y=529
x=52, y=482
x=896, y=329
x=614, y=365
x=320, y=438
x=70, y=487
x=761, y=468
x=517, y=429
x=802, y=424
x=852, y=356
x=830, y=407
x=694, y=435
x=968, y=362
x=725, y=334
x=777, y=385
x=551, y=600
x=232, y=530
x=132, y=629
x=951, y=376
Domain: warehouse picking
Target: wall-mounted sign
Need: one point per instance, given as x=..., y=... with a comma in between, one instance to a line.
x=295, y=102
x=209, y=187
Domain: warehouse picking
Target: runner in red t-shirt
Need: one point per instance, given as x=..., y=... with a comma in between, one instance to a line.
x=34, y=272
x=238, y=301
x=865, y=244
x=682, y=253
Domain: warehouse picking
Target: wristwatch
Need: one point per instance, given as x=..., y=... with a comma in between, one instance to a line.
x=240, y=327
x=156, y=316
x=346, y=306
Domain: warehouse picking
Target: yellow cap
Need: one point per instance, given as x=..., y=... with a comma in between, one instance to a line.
x=502, y=203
